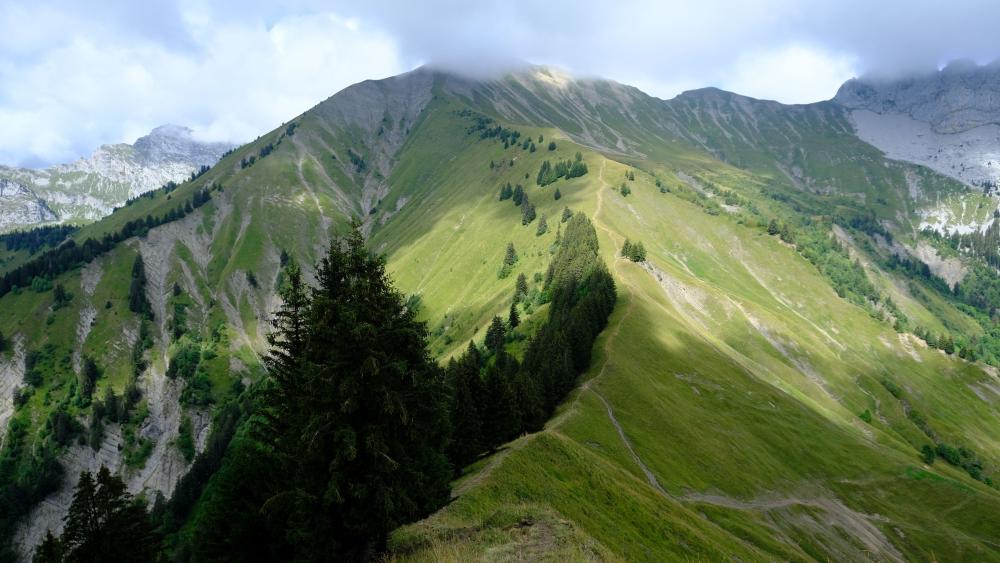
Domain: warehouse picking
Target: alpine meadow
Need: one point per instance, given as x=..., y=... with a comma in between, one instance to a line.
x=524, y=317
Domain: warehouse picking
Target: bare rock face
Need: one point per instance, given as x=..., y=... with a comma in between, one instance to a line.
x=960, y=97
x=11, y=379
x=160, y=473
x=19, y=206
x=947, y=120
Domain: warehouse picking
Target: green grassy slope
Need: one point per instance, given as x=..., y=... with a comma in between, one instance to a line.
x=736, y=380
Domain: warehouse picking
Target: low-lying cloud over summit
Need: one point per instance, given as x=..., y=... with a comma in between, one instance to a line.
x=74, y=76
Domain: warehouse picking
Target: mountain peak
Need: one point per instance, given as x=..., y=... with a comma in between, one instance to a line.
x=961, y=66
x=176, y=143
x=548, y=74
x=169, y=130
x=482, y=70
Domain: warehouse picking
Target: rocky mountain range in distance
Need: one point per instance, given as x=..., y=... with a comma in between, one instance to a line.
x=89, y=188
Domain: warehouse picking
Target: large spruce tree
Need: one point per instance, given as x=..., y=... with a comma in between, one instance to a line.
x=359, y=411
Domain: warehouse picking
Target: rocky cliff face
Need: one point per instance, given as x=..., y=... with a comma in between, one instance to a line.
x=89, y=188
x=959, y=97
x=947, y=120
x=21, y=206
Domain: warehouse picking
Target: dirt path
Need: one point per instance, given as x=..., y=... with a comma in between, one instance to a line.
x=653, y=482
x=600, y=206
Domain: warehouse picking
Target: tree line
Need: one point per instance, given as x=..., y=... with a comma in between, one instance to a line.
x=69, y=254
x=266, y=149
x=488, y=128
x=35, y=239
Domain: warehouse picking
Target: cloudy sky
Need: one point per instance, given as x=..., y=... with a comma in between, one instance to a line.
x=74, y=75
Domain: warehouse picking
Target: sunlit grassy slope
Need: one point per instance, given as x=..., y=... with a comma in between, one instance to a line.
x=720, y=417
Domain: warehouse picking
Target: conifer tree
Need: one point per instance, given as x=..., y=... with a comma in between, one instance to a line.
x=495, y=336
x=639, y=252
x=520, y=287
x=947, y=345
x=786, y=234
x=109, y=404
x=772, y=227
x=289, y=335
x=518, y=195
x=513, y=319
x=510, y=256
x=137, y=302
x=502, y=409
x=105, y=523
x=557, y=195
x=89, y=373
x=96, y=430
x=634, y=251
x=361, y=425
x=566, y=214
x=527, y=211
x=49, y=551
x=543, y=227
x=60, y=297
x=545, y=174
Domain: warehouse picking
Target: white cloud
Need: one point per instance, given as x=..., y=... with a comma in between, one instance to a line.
x=793, y=74
x=239, y=80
